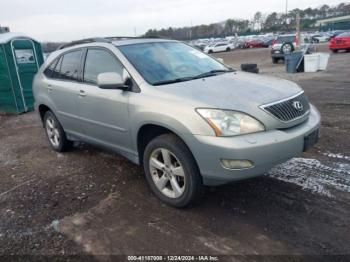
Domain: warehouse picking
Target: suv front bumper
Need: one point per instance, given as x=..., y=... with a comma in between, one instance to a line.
x=264, y=149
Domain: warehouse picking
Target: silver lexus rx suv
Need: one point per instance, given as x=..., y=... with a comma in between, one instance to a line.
x=188, y=119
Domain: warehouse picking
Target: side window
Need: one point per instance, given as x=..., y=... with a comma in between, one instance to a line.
x=50, y=69
x=56, y=71
x=100, y=61
x=70, y=66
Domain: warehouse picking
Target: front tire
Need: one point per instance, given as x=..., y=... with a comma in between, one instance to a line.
x=171, y=171
x=55, y=133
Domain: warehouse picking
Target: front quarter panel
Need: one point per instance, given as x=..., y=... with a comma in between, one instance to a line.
x=146, y=108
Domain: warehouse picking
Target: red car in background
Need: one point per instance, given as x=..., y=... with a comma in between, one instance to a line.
x=254, y=43
x=340, y=42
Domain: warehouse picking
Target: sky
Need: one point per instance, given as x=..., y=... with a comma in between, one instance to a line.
x=65, y=20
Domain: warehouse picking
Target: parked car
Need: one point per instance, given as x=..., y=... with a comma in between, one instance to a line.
x=268, y=42
x=254, y=43
x=188, y=119
x=218, y=47
x=336, y=33
x=286, y=44
x=320, y=38
x=340, y=42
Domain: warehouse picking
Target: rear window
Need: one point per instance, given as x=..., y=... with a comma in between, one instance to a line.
x=285, y=39
x=71, y=66
x=50, y=69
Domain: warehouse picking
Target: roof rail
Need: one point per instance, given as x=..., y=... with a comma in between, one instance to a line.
x=84, y=41
x=120, y=37
x=108, y=39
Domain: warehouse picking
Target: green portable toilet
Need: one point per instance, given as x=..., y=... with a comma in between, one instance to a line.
x=20, y=59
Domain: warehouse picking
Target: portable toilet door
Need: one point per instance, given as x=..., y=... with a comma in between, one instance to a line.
x=8, y=101
x=24, y=57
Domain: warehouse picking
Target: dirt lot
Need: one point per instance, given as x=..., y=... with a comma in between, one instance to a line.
x=91, y=202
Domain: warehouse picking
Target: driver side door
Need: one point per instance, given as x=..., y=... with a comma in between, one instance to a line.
x=103, y=113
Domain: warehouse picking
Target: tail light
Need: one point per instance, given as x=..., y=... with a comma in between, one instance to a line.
x=274, y=41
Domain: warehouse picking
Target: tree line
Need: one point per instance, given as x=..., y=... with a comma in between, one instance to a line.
x=259, y=23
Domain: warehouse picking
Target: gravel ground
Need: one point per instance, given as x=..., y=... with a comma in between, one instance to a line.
x=92, y=203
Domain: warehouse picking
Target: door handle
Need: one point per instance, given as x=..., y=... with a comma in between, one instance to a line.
x=49, y=88
x=82, y=93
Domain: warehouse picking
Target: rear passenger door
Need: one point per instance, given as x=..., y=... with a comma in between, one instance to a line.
x=64, y=79
x=103, y=113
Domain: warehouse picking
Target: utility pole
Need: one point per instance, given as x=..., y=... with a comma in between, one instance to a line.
x=191, y=31
x=298, y=30
x=287, y=27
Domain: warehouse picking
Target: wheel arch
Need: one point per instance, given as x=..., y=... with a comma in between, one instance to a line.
x=148, y=131
x=42, y=109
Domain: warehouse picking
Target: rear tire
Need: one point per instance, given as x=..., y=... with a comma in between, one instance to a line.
x=171, y=171
x=334, y=51
x=210, y=51
x=55, y=133
x=228, y=49
x=275, y=60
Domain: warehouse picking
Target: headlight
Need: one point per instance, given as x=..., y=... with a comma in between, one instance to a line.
x=230, y=123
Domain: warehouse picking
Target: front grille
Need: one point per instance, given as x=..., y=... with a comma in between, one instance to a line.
x=290, y=109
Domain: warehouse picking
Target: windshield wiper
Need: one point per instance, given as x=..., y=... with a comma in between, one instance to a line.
x=172, y=81
x=189, y=78
x=214, y=73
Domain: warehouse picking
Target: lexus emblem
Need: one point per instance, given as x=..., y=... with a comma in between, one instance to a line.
x=298, y=105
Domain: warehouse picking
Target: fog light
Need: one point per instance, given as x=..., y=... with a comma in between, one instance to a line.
x=236, y=164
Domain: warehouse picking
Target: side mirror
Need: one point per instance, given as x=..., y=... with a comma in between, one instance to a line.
x=221, y=60
x=112, y=80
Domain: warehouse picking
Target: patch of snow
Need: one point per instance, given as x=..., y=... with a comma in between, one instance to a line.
x=55, y=225
x=314, y=176
x=338, y=156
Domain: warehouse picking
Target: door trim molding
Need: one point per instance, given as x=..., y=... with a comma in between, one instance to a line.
x=92, y=121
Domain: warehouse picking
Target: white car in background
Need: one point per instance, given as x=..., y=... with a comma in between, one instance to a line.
x=320, y=38
x=218, y=47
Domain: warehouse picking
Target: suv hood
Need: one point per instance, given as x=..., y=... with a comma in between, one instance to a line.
x=233, y=90
x=238, y=91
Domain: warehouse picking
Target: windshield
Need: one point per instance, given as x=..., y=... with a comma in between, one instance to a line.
x=167, y=62
x=347, y=34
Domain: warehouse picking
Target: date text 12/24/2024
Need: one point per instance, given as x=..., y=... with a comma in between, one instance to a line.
x=173, y=258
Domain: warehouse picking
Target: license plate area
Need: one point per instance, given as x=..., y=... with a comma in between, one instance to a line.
x=311, y=139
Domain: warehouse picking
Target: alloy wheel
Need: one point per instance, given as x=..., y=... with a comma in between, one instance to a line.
x=53, y=132
x=167, y=173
